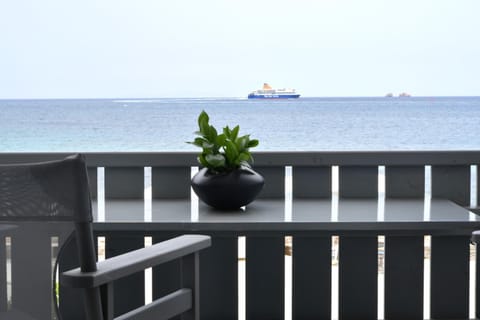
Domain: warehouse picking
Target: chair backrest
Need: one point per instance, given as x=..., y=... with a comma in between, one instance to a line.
x=40, y=204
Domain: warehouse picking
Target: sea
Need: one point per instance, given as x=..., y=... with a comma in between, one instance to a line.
x=304, y=124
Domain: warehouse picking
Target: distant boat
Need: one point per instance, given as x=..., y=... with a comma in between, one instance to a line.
x=389, y=95
x=404, y=95
x=267, y=92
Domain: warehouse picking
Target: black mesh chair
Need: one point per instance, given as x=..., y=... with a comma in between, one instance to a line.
x=42, y=204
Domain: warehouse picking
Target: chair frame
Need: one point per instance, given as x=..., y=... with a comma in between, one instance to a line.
x=96, y=279
x=98, y=284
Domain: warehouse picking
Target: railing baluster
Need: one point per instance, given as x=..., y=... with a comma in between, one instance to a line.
x=29, y=293
x=265, y=262
x=477, y=271
x=312, y=182
x=476, y=209
x=124, y=183
x=478, y=185
x=92, y=181
x=219, y=279
x=312, y=270
x=450, y=254
x=358, y=181
x=358, y=254
x=452, y=182
x=405, y=181
x=3, y=273
x=265, y=278
x=358, y=277
x=449, y=277
x=120, y=184
x=404, y=277
x=165, y=277
x=312, y=259
x=93, y=184
x=129, y=291
x=69, y=306
x=171, y=182
x=404, y=254
x=477, y=283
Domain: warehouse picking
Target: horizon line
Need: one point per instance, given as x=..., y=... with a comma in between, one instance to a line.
x=241, y=97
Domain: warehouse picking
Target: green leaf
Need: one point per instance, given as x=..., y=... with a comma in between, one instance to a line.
x=215, y=160
x=221, y=138
x=202, y=161
x=197, y=142
x=242, y=143
x=252, y=143
x=234, y=133
x=207, y=145
x=231, y=152
x=203, y=123
x=243, y=157
x=227, y=132
x=212, y=134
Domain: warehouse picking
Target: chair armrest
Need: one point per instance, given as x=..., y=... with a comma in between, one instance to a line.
x=126, y=264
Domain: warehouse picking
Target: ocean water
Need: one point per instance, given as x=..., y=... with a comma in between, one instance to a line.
x=305, y=124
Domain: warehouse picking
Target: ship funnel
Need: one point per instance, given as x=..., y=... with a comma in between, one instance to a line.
x=266, y=86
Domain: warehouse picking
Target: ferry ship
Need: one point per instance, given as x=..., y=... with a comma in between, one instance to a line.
x=267, y=92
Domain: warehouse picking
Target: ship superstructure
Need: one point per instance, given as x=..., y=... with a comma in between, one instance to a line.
x=267, y=92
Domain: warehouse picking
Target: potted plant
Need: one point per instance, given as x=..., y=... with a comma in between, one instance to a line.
x=226, y=180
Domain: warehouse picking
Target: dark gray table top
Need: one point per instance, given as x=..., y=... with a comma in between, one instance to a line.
x=299, y=215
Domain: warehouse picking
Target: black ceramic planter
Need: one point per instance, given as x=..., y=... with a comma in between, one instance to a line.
x=227, y=191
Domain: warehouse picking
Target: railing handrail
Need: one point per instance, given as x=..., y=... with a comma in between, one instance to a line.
x=264, y=158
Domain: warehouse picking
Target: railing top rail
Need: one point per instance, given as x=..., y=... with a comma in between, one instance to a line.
x=265, y=158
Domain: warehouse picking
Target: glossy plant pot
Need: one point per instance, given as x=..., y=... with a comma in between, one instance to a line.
x=227, y=191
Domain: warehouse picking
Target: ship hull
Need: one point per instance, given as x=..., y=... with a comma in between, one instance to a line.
x=274, y=96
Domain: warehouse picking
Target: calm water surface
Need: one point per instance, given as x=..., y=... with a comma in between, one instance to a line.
x=426, y=123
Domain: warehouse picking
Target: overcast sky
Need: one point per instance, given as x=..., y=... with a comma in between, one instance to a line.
x=226, y=48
